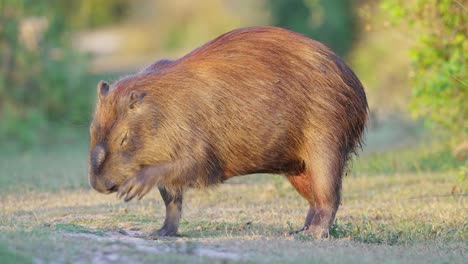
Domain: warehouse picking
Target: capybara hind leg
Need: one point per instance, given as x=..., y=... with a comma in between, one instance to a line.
x=173, y=204
x=326, y=189
x=322, y=190
x=303, y=185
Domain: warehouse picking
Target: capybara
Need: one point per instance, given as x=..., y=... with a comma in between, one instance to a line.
x=253, y=100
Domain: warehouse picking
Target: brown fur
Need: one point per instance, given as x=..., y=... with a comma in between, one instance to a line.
x=259, y=99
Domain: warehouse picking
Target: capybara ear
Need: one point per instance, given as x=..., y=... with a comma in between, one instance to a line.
x=102, y=89
x=136, y=98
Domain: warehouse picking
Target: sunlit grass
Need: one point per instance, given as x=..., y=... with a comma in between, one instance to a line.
x=48, y=212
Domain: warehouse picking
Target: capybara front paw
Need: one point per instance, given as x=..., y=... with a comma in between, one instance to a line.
x=137, y=186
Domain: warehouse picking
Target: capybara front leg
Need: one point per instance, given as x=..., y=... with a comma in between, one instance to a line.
x=173, y=204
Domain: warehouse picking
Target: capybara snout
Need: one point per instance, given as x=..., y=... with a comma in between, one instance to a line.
x=260, y=99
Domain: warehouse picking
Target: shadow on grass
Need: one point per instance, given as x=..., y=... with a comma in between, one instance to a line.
x=192, y=230
x=73, y=228
x=8, y=256
x=377, y=233
x=205, y=229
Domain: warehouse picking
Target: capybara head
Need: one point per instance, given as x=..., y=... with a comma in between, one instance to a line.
x=116, y=143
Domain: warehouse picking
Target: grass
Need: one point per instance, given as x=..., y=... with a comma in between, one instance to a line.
x=8, y=256
x=49, y=214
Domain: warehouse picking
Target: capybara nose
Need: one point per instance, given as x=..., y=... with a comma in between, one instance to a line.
x=98, y=155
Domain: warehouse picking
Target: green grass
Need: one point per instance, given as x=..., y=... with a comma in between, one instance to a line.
x=49, y=214
x=402, y=146
x=44, y=168
x=8, y=256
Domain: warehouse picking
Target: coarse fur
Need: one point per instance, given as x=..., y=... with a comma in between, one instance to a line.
x=254, y=100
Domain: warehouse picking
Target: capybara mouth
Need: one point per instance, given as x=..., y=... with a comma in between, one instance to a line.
x=113, y=189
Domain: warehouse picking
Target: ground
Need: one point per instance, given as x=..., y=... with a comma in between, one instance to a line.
x=50, y=215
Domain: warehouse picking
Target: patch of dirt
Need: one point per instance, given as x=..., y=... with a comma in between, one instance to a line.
x=134, y=239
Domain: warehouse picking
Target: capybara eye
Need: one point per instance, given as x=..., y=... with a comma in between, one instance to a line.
x=124, y=139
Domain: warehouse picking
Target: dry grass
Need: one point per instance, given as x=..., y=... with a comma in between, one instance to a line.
x=412, y=218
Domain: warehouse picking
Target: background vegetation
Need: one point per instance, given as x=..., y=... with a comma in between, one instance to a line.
x=406, y=190
x=45, y=79
x=440, y=88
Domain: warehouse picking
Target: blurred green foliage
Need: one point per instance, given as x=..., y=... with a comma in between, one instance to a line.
x=42, y=79
x=92, y=13
x=421, y=159
x=439, y=59
x=329, y=21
